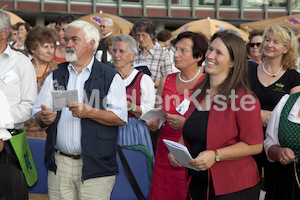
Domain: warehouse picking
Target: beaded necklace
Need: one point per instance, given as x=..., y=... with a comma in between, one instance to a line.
x=273, y=75
x=40, y=77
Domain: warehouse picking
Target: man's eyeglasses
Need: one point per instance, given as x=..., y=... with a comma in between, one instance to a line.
x=102, y=26
x=253, y=44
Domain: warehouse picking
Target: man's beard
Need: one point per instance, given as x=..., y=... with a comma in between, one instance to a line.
x=71, y=57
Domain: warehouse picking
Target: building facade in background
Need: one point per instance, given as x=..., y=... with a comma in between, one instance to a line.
x=169, y=14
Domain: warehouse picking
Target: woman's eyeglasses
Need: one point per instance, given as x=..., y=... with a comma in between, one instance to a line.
x=143, y=35
x=253, y=44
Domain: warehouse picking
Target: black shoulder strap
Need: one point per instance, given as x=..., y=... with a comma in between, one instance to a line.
x=133, y=81
x=130, y=176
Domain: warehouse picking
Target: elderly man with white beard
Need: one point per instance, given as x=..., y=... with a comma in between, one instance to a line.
x=82, y=137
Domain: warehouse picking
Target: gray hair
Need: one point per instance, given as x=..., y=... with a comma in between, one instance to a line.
x=89, y=31
x=109, y=21
x=132, y=45
x=5, y=22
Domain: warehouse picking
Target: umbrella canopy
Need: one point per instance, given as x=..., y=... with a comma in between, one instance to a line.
x=14, y=18
x=121, y=26
x=208, y=27
x=290, y=21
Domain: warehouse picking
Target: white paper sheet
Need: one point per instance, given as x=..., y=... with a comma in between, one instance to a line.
x=180, y=153
x=61, y=98
x=153, y=114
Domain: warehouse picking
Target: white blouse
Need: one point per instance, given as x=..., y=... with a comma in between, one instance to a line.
x=147, y=91
x=6, y=120
x=272, y=129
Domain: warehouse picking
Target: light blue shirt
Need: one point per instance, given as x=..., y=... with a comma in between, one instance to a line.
x=69, y=128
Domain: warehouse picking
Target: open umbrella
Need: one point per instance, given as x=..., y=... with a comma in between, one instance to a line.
x=208, y=27
x=121, y=26
x=290, y=21
x=14, y=18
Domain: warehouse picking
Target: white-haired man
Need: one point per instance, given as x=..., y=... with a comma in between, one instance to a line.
x=18, y=84
x=17, y=77
x=106, y=28
x=82, y=138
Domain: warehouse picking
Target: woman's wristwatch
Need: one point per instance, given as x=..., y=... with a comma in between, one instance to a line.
x=217, y=156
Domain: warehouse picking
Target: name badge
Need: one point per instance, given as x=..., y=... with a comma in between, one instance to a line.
x=183, y=107
x=9, y=77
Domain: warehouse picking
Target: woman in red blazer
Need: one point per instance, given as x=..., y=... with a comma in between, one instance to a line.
x=225, y=130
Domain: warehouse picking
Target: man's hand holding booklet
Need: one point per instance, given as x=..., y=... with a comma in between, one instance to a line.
x=180, y=153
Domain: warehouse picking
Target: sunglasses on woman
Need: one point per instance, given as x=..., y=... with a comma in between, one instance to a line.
x=253, y=44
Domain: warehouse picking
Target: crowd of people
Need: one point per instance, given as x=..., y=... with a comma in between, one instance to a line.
x=234, y=104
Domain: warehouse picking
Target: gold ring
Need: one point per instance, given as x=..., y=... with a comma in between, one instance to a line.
x=280, y=159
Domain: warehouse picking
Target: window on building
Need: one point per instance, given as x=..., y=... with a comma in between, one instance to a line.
x=253, y=3
x=277, y=3
x=232, y=3
x=157, y=2
x=132, y=1
x=296, y=4
x=271, y=3
x=104, y=1
x=206, y=2
x=73, y=1
x=181, y=2
x=126, y=1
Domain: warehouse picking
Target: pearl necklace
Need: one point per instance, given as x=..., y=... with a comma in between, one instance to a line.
x=273, y=75
x=187, y=81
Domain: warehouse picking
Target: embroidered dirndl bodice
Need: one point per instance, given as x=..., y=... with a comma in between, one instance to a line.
x=289, y=132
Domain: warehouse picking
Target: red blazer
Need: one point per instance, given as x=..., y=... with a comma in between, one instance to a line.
x=228, y=127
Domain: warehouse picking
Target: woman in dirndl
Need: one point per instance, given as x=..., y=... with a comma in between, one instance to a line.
x=139, y=90
x=282, y=146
